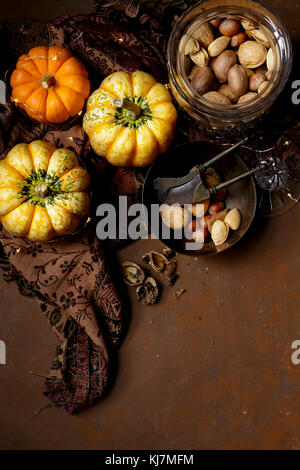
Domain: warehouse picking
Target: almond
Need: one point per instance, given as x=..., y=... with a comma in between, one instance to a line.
x=230, y=27
x=202, y=80
x=233, y=219
x=200, y=58
x=219, y=232
x=247, y=97
x=223, y=64
x=205, y=34
x=192, y=46
x=260, y=37
x=218, y=46
x=238, y=39
x=252, y=54
x=262, y=86
x=220, y=216
x=216, y=97
x=248, y=25
x=270, y=60
x=238, y=80
x=225, y=90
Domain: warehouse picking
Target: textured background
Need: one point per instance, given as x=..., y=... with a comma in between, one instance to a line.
x=211, y=370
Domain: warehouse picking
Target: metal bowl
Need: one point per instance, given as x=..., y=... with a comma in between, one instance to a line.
x=177, y=162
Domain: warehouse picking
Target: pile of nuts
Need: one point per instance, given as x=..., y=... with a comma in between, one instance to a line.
x=210, y=218
x=232, y=60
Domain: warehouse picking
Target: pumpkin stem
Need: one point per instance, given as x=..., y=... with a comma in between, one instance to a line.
x=48, y=81
x=132, y=110
x=41, y=190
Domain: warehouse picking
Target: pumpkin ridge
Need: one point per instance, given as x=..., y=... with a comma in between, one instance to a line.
x=62, y=103
x=8, y=164
x=40, y=57
x=160, y=149
x=133, y=158
x=31, y=157
x=77, y=92
x=28, y=58
x=35, y=111
x=67, y=171
x=122, y=129
x=112, y=92
x=31, y=217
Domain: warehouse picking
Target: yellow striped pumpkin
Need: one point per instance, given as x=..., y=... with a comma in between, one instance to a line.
x=43, y=191
x=130, y=119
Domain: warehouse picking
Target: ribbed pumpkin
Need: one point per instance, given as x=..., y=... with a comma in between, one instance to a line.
x=43, y=191
x=130, y=119
x=50, y=84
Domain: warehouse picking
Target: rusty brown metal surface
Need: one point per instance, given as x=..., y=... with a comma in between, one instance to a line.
x=211, y=370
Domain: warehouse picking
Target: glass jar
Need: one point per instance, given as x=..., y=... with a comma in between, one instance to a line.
x=236, y=118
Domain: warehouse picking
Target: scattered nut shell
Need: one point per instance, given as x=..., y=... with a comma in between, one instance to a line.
x=219, y=232
x=248, y=25
x=148, y=292
x=216, y=97
x=205, y=34
x=260, y=37
x=247, y=97
x=233, y=219
x=133, y=274
x=218, y=45
x=252, y=54
x=192, y=46
x=174, y=216
x=230, y=27
x=223, y=64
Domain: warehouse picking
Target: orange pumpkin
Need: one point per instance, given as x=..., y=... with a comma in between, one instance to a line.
x=50, y=84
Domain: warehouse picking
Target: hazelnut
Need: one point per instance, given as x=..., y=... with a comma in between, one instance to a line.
x=256, y=79
x=202, y=80
x=201, y=235
x=238, y=39
x=216, y=207
x=238, y=80
x=221, y=195
x=223, y=64
x=199, y=209
x=216, y=23
x=204, y=221
x=230, y=27
x=212, y=177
